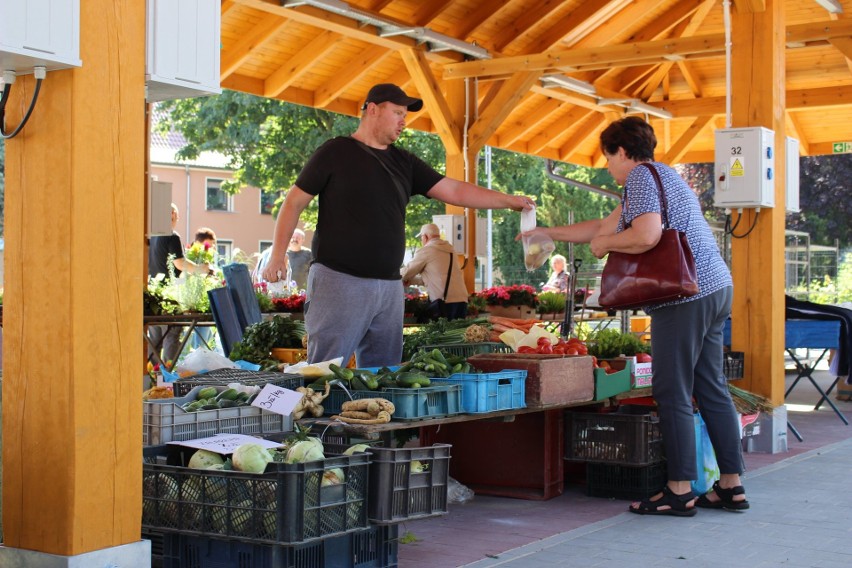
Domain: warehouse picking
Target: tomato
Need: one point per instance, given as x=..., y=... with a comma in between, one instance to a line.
x=594, y=362
x=643, y=358
x=527, y=349
x=546, y=349
x=543, y=341
x=574, y=340
x=571, y=351
x=559, y=348
x=581, y=349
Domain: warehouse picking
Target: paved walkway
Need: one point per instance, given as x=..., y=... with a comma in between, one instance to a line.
x=801, y=516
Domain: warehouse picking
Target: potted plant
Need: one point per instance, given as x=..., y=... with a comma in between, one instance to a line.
x=476, y=305
x=416, y=308
x=551, y=305
x=516, y=301
x=293, y=304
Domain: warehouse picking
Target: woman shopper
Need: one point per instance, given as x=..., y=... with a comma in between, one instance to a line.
x=687, y=333
x=558, y=281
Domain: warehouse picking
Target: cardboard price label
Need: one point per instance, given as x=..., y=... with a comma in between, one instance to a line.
x=226, y=443
x=277, y=399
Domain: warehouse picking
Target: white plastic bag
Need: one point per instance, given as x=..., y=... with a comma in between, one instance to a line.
x=537, y=248
x=458, y=493
x=202, y=359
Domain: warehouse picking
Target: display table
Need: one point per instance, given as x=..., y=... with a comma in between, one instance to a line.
x=188, y=322
x=822, y=335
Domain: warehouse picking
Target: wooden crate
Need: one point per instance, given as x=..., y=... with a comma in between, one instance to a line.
x=551, y=379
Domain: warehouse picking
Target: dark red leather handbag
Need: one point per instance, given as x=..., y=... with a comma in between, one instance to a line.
x=663, y=274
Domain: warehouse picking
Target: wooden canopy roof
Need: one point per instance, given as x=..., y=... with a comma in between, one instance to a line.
x=549, y=74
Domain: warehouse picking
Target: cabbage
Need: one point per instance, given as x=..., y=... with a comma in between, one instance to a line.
x=332, y=477
x=203, y=459
x=251, y=458
x=305, y=451
x=356, y=448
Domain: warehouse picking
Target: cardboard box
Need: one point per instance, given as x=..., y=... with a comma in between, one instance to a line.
x=551, y=379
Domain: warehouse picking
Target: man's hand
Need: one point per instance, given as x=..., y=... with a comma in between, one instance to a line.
x=521, y=203
x=276, y=268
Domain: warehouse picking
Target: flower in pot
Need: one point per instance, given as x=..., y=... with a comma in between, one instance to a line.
x=551, y=303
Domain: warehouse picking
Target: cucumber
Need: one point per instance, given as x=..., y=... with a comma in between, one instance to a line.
x=342, y=373
x=206, y=392
x=411, y=379
x=228, y=394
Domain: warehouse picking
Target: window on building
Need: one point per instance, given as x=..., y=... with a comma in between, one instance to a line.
x=263, y=245
x=224, y=250
x=267, y=201
x=218, y=200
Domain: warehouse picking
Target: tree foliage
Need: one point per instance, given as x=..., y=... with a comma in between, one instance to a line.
x=824, y=200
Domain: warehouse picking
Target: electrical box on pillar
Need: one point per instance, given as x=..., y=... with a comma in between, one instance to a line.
x=182, y=49
x=39, y=33
x=745, y=168
x=453, y=230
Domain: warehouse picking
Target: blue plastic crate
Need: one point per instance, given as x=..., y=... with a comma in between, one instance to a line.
x=375, y=547
x=424, y=402
x=489, y=392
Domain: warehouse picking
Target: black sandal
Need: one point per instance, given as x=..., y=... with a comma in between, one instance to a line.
x=726, y=499
x=676, y=505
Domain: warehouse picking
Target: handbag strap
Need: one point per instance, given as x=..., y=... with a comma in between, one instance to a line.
x=664, y=206
x=449, y=275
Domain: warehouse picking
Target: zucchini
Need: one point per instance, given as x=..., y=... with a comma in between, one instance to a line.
x=341, y=372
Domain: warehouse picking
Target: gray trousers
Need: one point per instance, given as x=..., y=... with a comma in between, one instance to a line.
x=346, y=314
x=686, y=342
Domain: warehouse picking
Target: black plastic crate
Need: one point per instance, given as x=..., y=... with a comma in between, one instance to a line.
x=469, y=349
x=734, y=364
x=156, y=539
x=399, y=491
x=615, y=437
x=624, y=481
x=376, y=547
x=287, y=504
x=222, y=377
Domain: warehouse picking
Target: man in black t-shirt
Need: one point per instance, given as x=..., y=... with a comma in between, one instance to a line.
x=364, y=183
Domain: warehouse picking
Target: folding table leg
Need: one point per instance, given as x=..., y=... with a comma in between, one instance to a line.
x=794, y=431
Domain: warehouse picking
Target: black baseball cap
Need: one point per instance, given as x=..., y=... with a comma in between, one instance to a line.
x=388, y=92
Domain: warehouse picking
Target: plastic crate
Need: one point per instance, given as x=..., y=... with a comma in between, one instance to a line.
x=424, y=402
x=615, y=437
x=285, y=505
x=611, y=384
x=165, y=421
x=488, y=392
x=333, y=403
x=376, y=547
x=222, y=377
x=469, y=349
x=156, y=539
x=734, y=364
x=625, y=481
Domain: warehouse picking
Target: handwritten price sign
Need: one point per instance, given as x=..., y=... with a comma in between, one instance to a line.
x=277, y=399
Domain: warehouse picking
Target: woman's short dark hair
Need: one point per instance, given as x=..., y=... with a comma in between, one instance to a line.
x=633, y=134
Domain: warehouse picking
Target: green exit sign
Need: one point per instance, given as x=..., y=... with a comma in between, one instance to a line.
x=841, y=147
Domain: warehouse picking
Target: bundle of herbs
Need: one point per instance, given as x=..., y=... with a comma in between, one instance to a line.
x=609, y=343
x=747, y=402
x=260, y=338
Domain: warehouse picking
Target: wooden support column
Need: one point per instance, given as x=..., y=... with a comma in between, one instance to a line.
x=72, y=470
x=758, y=260
x=465, y=167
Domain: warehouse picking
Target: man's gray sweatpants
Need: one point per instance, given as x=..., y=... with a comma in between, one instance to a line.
x=346, y=314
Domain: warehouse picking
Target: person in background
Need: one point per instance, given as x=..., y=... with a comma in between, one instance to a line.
x=430, y=265
x=205, y=237
x=558, y=281
x=364, y=183
x=299, y=259
x=159, y=250
x=687, y=334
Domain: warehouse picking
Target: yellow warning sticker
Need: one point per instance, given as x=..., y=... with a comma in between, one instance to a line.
x=737, y=169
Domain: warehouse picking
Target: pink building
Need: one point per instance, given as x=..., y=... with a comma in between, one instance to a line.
x=242, y=222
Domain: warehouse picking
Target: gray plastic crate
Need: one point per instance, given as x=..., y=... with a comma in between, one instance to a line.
x=164, y=420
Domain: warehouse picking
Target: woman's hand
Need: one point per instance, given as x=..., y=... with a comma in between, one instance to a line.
x=598, y=246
